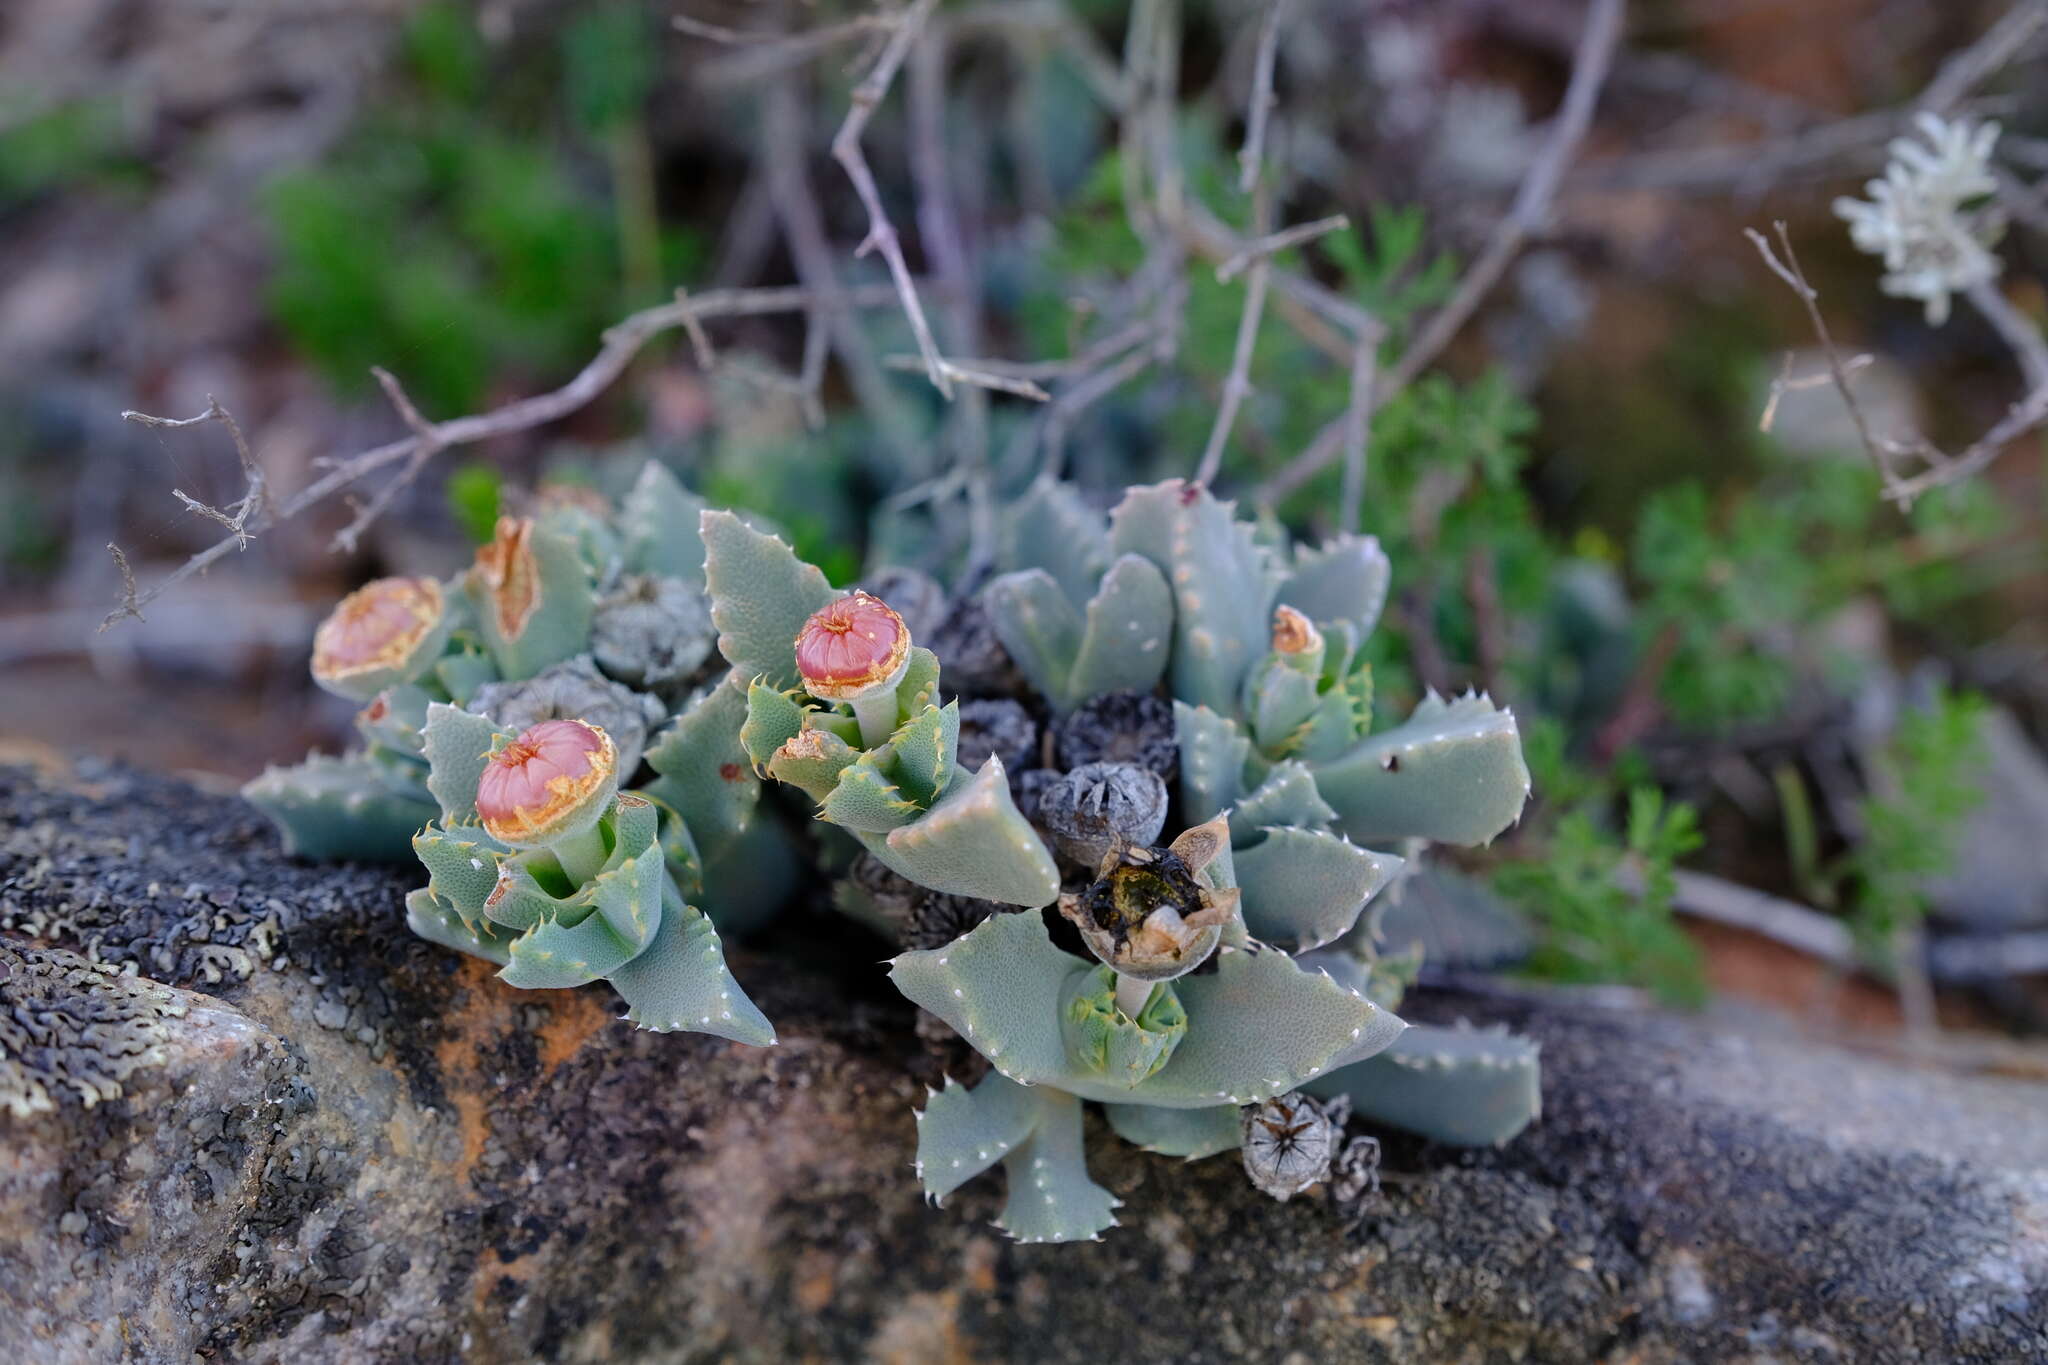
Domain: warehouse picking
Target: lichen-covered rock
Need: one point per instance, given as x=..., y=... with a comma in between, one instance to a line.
x=351, y=1146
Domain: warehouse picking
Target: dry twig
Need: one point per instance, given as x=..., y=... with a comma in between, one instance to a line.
x=622, y=342
x=1531, y=209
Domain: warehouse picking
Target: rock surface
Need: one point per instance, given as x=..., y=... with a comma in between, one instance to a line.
x=321, y=1140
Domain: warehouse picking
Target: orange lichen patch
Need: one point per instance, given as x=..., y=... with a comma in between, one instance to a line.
x=511, y=575
x=852, y=646
x=574, y=1018
x=377, y=626
x=535, y=786
x=483, y=1011
x=1294, y=633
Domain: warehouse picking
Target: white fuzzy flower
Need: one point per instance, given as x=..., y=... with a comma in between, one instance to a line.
x=1922, y=217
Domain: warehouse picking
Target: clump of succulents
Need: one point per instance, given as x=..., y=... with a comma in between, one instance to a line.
x=1130, y=864
x=1189, y=956
x=575, y=611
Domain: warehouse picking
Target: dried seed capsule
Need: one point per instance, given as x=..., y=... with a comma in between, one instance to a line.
x=972, y=658
x=1103, y=806
x=574, y=690
x=652, y=632
x=1288, y=1144
x=1147, y=914
x=1121, y=727
x=997, y=726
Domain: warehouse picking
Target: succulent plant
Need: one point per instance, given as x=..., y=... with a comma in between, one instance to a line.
x=575, y=611
x=540, y=864
x=1238, y=1000
x=843, y=705
x=1170, y=923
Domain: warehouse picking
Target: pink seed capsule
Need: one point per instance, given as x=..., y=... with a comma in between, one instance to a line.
x=852, y=648
x=375, y=629
x=556, y=777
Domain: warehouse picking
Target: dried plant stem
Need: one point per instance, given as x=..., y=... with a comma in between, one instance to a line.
x=621, y=343
x=1531, y=209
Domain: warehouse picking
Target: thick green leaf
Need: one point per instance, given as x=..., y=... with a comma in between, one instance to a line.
x=1212, y=761
x=1040, y=628
x=761, y=595
x=703, y=774
x=1288, y=796
x=963, y=1132
x=1051, y=528
x=437, y=922
x=922, y=752
x=658, y=527
x=1344, y=579
x=1452, y=773
x=1127, y=638
x=865, y=801
x=973, y=843
x=458, y=747
x=1304, y=888
x=339, y=808
x=1256, y=1027
x=1188, y=1133
x=1051, y=1197
x=682, y=982
x=774, y=718
x=1468, y=1086
x=1223, y=583
x=462, y=866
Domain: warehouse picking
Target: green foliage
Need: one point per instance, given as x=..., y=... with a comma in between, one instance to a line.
x=475, y=494
x=76, y=140
x=1927, y=780
x=448, y=237
x=1603, y=896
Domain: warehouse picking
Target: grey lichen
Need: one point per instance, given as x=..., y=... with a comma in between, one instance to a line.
x=71, y=1029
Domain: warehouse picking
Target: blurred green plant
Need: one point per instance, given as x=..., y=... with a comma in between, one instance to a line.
x=451, y=237
x=1601, y=893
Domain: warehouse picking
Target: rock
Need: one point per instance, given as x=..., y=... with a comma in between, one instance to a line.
x=1998, y=879
x=336, y=1143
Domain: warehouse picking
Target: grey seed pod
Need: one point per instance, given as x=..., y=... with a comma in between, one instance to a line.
x=1000, y=727
x=913, y=594
x=1355, y=1175
x=1028, y=788
x=575, y=690
x=652, y=632
x=1121, y=727
x=1102, y=806
x=1289, y=1143
x=971, y=658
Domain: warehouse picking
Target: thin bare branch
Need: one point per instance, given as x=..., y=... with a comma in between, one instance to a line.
x=1273, y=243
x=1531, y=208
x=250, y=505
x=621, y=343
x=1787, y=382
x=130, y=608
x=846, y=150
x=2001, y=44
x=1788, y=270
x=1251, y=156
x=700, y=340
x=1237, y=384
